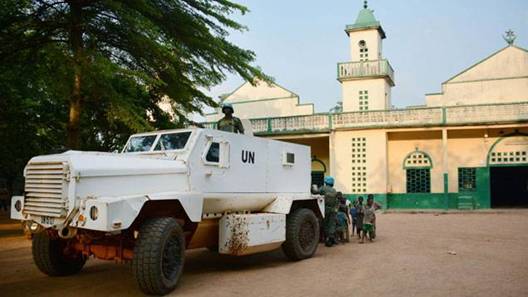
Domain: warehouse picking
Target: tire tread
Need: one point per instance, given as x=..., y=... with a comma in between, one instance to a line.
x=148, y=252
x=48, y=259
x=291, y=246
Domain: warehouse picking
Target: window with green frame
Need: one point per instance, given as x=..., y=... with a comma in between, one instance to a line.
x=467, y=179
x=418, y=180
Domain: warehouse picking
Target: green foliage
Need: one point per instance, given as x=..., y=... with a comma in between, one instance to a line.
x=128, y=56
x=32, y=119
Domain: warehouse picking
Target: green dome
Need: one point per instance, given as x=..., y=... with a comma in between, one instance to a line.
x=366, y=18
x=364, y=21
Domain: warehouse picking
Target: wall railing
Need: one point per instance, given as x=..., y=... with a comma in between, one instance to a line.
x=396, y=118
x=350, y=70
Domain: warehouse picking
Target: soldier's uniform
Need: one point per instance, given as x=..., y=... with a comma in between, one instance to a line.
x=233, y=125
x=329, y=223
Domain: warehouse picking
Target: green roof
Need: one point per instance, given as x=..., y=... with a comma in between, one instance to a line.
x=365, y=20
x=366, y=17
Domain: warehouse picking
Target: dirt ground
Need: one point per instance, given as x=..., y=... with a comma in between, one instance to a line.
x=409, y=258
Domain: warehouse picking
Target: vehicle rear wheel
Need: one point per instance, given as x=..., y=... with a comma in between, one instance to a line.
x=52, y=256
x=302, y=234
x=159, y=256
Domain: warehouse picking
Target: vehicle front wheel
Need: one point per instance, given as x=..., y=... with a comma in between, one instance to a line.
x=52, y=256
x=159, y=256
x=302, y=234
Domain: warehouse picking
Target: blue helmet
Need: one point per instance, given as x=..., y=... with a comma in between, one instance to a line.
x=228, y=106
x=328, y=180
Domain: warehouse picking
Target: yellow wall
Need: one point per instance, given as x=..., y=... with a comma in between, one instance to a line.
x=465, y=148
x=401, y=144
x=376, y=161
x=469, y=148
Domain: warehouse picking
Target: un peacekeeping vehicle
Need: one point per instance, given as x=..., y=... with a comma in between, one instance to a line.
x=166, y=192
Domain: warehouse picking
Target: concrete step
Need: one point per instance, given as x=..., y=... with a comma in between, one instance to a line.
x=465, y=205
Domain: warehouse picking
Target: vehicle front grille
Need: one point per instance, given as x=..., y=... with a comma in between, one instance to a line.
x=45, y=189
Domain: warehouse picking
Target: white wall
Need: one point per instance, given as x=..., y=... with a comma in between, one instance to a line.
x=261, y=90
x=263, y=100
x=379, y=94
x=500, y=78
x=267, y=108
x=374, y=44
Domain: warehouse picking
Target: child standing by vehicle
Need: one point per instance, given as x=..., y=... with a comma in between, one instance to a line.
x=343, y=221
x=342, y=227
x=360, y=210
x=376, y=207
x=369, y=220
x=353, y=214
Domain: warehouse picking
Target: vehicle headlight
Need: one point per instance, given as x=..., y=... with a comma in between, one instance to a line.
x=93, y=213
x=34, y=227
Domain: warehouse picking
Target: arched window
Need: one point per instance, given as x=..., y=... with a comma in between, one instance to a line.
x=363, y=50
x=318, y=171
x=417, y=166
x=509, y=150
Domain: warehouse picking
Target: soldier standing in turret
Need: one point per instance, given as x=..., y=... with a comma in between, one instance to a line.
x=230, y=123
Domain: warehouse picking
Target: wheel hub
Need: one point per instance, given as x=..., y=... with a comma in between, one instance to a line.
x=171, y=261
x=306, y=234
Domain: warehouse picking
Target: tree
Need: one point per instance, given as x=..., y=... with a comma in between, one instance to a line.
x=119, y=58
x=32, y=120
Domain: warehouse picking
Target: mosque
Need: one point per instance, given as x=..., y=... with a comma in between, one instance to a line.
x=465, y=148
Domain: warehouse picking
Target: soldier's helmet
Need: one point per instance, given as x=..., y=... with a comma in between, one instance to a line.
x=328, y=180
x=227, y=106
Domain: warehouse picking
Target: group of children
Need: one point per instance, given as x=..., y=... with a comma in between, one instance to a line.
x=356, y=218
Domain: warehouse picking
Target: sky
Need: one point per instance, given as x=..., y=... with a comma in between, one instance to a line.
x=300, y=42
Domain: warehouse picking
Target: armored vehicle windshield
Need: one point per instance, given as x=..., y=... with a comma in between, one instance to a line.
x=140, y=144
x=157, y=142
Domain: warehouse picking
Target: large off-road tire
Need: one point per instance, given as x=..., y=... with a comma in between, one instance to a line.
x=52, y=257
x=159, y=256
x=302, y=234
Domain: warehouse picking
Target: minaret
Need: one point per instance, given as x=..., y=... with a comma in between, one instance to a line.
x=367, y=79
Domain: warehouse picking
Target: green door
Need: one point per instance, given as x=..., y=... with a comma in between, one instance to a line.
x=473, y=188
x=483, y=188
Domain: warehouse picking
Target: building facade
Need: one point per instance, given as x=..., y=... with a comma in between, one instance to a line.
x=466, y=148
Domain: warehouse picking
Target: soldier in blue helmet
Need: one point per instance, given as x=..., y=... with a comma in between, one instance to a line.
x=230, y=123
x=329, y=223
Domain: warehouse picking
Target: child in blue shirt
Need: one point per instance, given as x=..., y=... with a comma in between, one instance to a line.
x=342, y=219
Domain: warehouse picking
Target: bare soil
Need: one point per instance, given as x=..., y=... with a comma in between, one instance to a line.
x=410, y=257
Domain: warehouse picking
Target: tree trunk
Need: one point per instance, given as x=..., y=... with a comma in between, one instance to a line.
x=74, y=119
x=76, y=43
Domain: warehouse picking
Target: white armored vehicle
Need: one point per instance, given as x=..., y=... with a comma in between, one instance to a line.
x=169, y=191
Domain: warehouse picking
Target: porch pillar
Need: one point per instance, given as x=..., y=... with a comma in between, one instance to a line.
x=445, y=168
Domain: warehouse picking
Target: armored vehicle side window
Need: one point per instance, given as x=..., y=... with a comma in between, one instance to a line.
x=140, y=144
x=173, y=141
x=288, y=159
x=213, y=154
